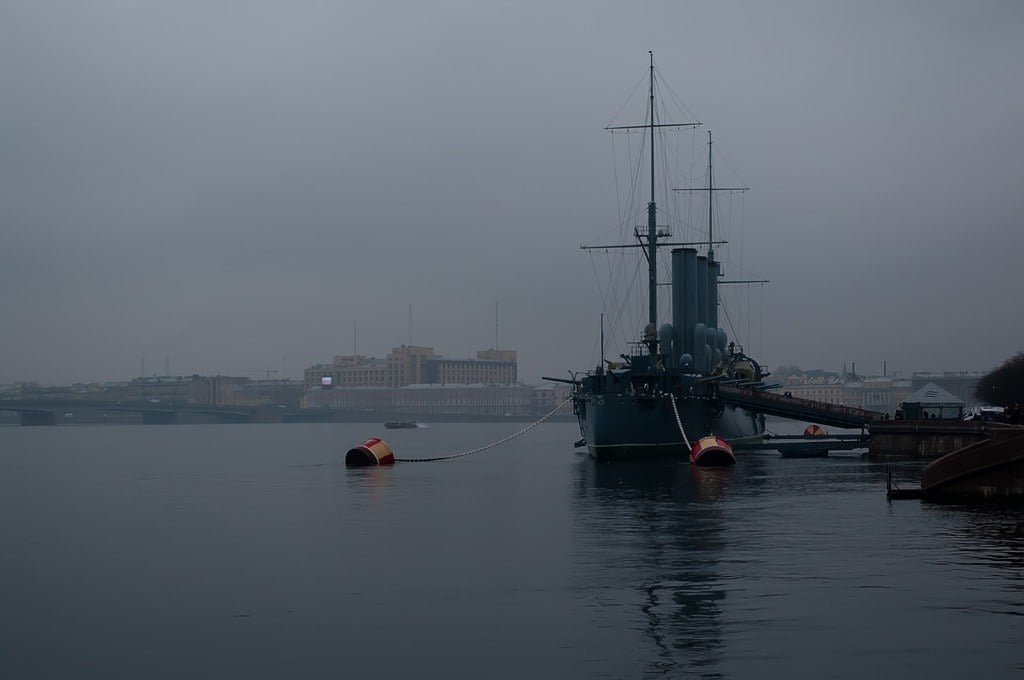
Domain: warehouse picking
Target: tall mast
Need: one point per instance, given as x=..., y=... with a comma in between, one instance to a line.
x=652, y=223
x=711, y=205
x=711, y=189
x=651, y=247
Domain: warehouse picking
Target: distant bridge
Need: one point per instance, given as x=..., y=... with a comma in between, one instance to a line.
x=47, y=411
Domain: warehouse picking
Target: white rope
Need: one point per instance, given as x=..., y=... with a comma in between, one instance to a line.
x=672, y=398
x=491, y=445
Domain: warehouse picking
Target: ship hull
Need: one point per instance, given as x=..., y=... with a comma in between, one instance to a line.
x=623, y=427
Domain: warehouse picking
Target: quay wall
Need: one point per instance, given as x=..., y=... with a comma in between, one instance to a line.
x=922, y=439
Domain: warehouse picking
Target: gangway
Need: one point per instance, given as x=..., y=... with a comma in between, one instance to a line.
x=795, y=408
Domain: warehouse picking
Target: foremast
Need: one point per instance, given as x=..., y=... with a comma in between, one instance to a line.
x=652, y=221
x=651, y=249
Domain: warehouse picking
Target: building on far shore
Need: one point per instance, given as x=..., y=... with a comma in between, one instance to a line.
x=447, y=401
x=880, y=394
x=827, y=388
x=883, y=394
x=413, y=365
x=416, y=381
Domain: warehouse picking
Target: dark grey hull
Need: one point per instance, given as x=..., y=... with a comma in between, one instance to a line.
x=622, y=426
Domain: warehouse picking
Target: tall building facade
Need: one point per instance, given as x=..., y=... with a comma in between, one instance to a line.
x=414, y=365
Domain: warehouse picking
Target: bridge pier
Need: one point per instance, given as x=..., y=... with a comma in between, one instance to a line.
x=159, y=417
x=38, y=418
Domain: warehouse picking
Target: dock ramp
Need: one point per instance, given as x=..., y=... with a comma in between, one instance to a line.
x=795, y=408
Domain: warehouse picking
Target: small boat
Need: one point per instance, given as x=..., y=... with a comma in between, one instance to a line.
x=400, y=424
x=814, y=450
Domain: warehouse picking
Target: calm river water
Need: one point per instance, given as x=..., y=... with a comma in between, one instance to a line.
x=251, y=551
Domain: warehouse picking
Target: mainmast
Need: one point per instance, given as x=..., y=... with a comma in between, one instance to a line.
x=711, y=189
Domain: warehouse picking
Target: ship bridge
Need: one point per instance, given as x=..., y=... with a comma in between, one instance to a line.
x=795, y=408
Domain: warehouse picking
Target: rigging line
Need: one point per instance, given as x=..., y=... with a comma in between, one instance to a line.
x=605, y=233
x=615, y=171
x=748, y=311
x=732, y=326
x=689, y=182
x=597, y=280
x=722, y=160
x=630, y=188
x=743, y=231
x=629, y=98
x=481, y=449
x=624, y=304
x=621, y=301
x=615, y=305
x=615, y=280
x=760, y=332
x=678, y=102
x=638, y=171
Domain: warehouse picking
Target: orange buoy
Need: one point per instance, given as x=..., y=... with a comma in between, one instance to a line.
x=815, y=431
x=373, y=451
x=712, y=452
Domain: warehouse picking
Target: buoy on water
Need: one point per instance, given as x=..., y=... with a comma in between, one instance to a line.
x=815, y=431
x=373, y=451
x=712, y=452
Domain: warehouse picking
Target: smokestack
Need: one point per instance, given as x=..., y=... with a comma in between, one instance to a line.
x=713, y=269
x=678, y=335
x=689, y=299
x=702, y=290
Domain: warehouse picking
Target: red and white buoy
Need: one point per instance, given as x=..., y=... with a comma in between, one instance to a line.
x=712, y=451
x=815, y=431
x=373, y=451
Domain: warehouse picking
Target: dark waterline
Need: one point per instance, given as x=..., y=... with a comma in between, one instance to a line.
x=252, y=551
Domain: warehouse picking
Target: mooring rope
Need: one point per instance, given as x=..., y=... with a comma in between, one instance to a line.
x=672, y=398
x=491, y=445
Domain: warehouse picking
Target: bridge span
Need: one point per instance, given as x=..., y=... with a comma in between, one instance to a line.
x=49, y=411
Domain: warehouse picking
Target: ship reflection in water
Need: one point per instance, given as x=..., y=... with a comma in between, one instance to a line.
x=755, y=570
x=658, y=525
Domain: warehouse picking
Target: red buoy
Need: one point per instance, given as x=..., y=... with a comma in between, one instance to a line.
x=712, y=452
x=373, y=451
x=815, y=431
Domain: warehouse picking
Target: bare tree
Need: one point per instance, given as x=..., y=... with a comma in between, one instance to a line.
x=1003, y=386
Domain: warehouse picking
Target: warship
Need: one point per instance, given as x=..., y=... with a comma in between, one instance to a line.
x=662, y=395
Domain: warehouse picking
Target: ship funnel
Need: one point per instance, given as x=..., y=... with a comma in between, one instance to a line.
x=700, y=348
x=678, y=334
x=684, y=301
x=689, y=312
x=702, y=290
x=714, y=271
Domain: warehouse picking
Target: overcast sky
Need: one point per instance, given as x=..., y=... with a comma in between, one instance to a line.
x=235, y=185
